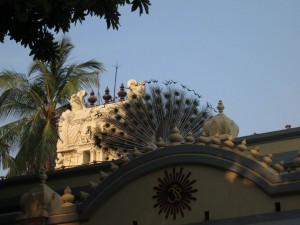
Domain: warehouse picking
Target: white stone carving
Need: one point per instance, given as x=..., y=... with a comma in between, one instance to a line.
x=77, y=101
x=220, y=124
x=135, y=88
x=76, y=145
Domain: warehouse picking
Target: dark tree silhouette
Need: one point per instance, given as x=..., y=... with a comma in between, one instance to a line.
x=32, y=22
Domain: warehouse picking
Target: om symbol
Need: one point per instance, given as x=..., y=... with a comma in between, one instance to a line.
x=174, y=193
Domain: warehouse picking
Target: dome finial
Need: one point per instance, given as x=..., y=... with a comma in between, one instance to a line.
x=220, y=106
x=221, y=124
x=67, y=197
x=92, y=99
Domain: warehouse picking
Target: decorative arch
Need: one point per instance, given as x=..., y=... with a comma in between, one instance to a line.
x=263, y=176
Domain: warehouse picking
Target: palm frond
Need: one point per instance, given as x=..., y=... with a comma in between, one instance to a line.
x=34, y=102
x=10, y=79
x=16, y=103
x=9, y=137
x=77, y=77
x=47, y=145
x=29, y=155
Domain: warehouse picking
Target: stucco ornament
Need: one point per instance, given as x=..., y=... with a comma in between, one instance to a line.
x=135, y=88
x=76, y=132
x=79, y=126
x=77, y=101
x=37, y=203
x=175, y=137
x=221, y=124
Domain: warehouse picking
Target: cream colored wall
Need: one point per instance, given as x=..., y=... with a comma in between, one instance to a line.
x=277, y=146
x=223, y=194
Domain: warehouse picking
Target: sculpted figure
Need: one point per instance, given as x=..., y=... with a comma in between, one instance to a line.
x=81, y=94
x=63, y=129
x=135, y=88
x=77, y=101
x=59, y=161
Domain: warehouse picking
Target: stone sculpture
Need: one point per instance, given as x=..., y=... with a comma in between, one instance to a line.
x=135, y=88
x=77, y=128
x=77, y=101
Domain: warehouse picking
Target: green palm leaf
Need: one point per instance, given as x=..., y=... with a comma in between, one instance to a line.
x=31, y=104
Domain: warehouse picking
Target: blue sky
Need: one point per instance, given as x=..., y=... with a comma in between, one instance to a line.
x=246, y=53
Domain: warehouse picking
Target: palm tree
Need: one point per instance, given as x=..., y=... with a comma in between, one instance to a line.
x=31, y=104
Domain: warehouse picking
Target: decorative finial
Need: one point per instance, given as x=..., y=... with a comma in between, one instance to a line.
x=228, y=144
x=83, y=195
x=189, y=139
x=93, y=185
x=160, y=143
x=221, y=124
x=67, y=197
x=254, y=153
x=136, y=152
x=124, y=160
x=203, y=139
x=92, y=99
x=175, y=137
x=215, y=141
x=220, y=106
x=122, y=93
x=279, y=167
x=107, y=96
x=267, y=160
x=148, y=147
x=242, y=147
x=113, y=167
x=103, y=175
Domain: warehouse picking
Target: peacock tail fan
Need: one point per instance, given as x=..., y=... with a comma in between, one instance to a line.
x=141, y=121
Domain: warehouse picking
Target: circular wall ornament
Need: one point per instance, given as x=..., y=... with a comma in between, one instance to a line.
x=174, y=193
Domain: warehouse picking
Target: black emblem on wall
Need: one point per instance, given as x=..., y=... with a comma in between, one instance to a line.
x=174, y=193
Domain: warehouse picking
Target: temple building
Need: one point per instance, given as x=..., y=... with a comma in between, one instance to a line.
x=203, y=173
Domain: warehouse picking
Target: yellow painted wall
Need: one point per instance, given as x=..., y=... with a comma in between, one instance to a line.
x=222, y=193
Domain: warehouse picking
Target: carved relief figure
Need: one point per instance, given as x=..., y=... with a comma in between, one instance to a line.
x=59, y=161
x=77, y=101
x=64, y=122
x=81, y=94
x=135, y=88
x=77, y=128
